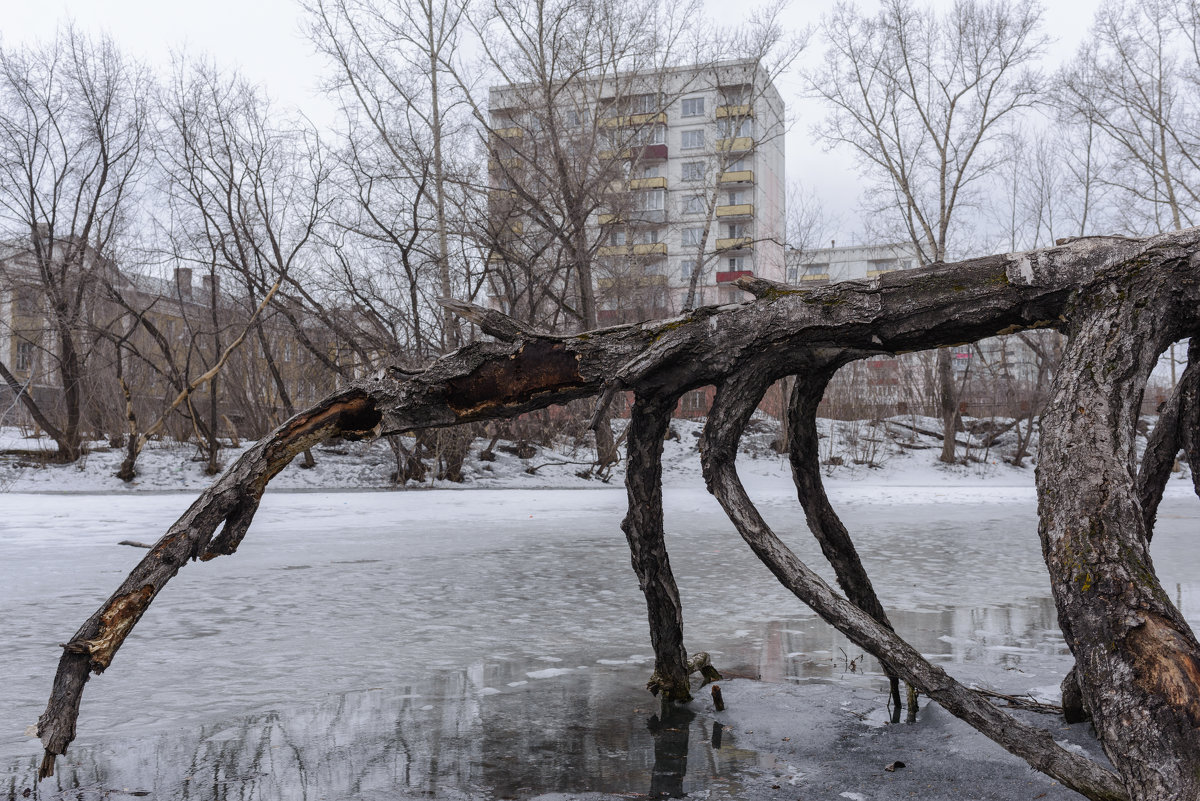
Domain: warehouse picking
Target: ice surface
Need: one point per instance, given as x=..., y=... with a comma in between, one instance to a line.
x=373, y=645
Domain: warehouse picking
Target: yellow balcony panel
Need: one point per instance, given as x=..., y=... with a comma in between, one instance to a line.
x=814, y=277
x=736, y=144
x=632, y=281
x=647, y=249
x=876, y=273
x=494, y=165
x=659, y=182
x=733, y=243
x=609, y=219
x=630, y=120
x=742, y=110
x=737, y=177
x=738, y=210
x=650, y=249
x=508, y=133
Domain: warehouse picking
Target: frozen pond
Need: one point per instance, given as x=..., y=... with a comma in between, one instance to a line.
x=488, y=643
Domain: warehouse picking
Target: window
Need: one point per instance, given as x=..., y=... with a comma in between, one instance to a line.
x=793, y=274
x=694, y=204
x=735, y=95
x=731, y=128
x=651, y=135
x=692, y=236
x=650, y=172
x=693, y=171
x=617, y=236
x=24, y=355
x=692, y=139
x=737, y=230
x=646, y=237
x=686, y=268
x=652, y=200
x=737, y=264
x=645, y=104
x=736, y=166
x=693, y=106
x=26, y=301
x=737, y=198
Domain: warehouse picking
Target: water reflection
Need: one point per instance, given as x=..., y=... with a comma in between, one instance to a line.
x=514, y=649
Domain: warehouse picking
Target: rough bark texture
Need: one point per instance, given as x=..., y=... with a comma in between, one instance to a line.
x=735, y=402
x=1123, y=301
x=823, y=521
x=1139, y=662
x=643, y=526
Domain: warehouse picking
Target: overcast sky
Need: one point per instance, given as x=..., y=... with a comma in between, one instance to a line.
x=264, y=39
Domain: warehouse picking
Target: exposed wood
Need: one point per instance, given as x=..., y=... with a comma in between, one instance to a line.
x=1122, y=301
x=735, y=402
x=1138, y=660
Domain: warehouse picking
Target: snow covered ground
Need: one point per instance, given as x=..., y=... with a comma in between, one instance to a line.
x=892, y=454
x=492, y=644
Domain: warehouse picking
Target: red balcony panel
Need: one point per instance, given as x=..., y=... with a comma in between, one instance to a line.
x=732, y=275
x=654, y=152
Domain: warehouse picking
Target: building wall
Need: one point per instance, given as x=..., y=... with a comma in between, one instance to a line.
x=705, y=130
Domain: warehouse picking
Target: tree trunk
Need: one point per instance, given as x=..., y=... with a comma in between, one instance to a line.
x=1138, y=661
x=1124, y=301
x=643, y=526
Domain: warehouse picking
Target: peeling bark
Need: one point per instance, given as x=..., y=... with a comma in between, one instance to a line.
x=1122, y=301
x=1139, y=662
x=735, y=402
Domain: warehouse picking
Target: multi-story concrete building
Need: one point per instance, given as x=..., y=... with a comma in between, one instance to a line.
x=682, y=175
x=821, y=266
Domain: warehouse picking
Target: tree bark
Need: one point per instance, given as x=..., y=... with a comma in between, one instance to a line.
x=823, y=521
x=1123, y=301
x=1139, y=662
x=735, y=402
x=643, y=526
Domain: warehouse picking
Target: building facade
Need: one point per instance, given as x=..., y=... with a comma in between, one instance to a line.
x=821, y=266
x=683, y=174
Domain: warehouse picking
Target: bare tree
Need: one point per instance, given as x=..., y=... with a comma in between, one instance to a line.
x=920, y=99
x=73, y=125
x=1137, y=82
x=1123, y=301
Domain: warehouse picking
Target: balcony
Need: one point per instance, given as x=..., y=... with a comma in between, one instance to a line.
x=736, y=210
x=508, y=133
x=742, y=110
x=734, y=243
x=632, y=281
x=631, y=120
x=647, y=249
x=877, y=273
x=658, y=182
x=737, y=177
x=737, y=144
x=815, y=278
x=609, y=219
x=643, y=153
x=514, y=163
x=733, y=275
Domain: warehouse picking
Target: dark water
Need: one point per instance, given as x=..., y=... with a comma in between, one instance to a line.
x=395, y=646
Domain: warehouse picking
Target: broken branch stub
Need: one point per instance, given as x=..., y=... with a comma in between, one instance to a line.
x=741, y=348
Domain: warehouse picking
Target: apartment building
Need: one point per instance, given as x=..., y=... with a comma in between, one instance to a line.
x=682, y=172
x=820, y=266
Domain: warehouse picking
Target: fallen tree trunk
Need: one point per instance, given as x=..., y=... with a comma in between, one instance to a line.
x=1095, y=549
